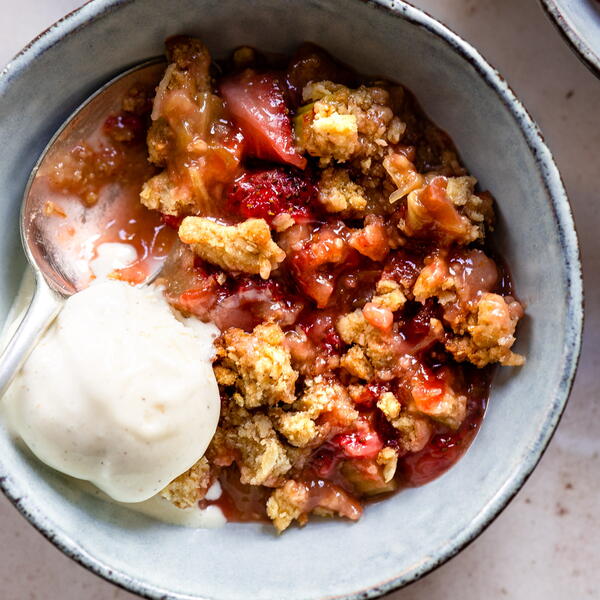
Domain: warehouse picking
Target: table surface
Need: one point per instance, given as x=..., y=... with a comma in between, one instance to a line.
x=544, y=545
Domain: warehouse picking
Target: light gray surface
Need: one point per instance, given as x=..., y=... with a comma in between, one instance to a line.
x=557, y=513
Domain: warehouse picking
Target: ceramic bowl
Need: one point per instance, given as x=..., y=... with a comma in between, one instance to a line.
x=579, y=22
x=404, y=537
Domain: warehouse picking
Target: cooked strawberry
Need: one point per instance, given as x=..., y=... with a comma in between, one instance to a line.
x=243, y=303
x=124, y=127
x=371, y=393
x=271, y=192
x=252, y=301
x=171, y=221
x=379, y=317
x=319, y=326
x=403, y=267
x=316, y=262
x=257, y=104
x=325, y=460
x=364, y=442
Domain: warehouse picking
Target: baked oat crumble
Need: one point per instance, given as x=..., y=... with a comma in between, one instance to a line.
x=247, y=247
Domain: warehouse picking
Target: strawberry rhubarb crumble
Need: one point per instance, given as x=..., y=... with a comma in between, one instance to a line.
x=332, y=234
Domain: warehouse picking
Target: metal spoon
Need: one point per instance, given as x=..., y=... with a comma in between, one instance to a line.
x=56, y=278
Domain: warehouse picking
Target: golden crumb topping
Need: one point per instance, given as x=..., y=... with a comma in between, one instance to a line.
x=340, y=124
x=189, y=487
x=258, y=365
x=247, y=247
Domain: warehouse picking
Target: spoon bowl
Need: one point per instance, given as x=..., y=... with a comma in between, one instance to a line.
x=59, y=247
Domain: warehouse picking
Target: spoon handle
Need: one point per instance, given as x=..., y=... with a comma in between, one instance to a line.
x=42, y=310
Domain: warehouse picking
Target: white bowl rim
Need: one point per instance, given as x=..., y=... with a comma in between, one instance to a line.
x=94, y=9
x=579, y=45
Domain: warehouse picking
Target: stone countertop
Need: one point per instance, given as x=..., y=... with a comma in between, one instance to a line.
x=544, y=546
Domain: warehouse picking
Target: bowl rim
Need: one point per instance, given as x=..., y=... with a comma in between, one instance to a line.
x=578, y=44
x=93, y=10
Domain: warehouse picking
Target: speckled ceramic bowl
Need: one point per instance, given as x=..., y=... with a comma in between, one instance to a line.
x=404, y=537
x=579, y=22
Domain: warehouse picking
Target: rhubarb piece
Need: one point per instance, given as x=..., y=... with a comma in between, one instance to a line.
x=190, y=136
x=257, y=103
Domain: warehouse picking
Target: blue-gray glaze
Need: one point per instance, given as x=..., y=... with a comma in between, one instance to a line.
x=404, y=537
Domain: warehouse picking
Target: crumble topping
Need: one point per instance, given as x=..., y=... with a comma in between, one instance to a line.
x=477, y=209
x=293, y=501
x=287, y=504
x=389, y=295
x=304, y=426
x=184, y=144
x=341, y=124
x=357, y=364
x=489, y=333
x=298, y=428
x=159, y=194
x=443, y=405
x=189, y=487
x=338, y=193
x=262, y=457
x=415, y=431
x=257, y=364
x=247, y=247
x=435, y=281
x=372, y=344
x=388, y=404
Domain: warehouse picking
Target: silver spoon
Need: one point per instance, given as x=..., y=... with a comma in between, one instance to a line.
x=56, y=278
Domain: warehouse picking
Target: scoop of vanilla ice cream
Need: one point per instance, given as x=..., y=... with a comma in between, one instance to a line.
x=119, y=392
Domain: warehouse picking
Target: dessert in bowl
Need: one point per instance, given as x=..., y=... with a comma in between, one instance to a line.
x=215, y=249
x=329, y=231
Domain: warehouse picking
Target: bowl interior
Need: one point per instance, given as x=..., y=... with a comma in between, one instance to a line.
x=396, y=540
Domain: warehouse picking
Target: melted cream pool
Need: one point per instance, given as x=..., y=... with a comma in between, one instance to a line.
x=128, y=461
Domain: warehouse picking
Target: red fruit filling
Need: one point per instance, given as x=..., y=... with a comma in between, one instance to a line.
x=268, y=193
x=364, y=442
x=124, y=127
x=318, y=260
x=257, y=104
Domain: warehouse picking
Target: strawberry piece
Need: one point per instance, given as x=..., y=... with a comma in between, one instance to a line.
x=317, y=263
x=124, y=127
x=363, y=442
x=319, y=326
x=268, y=193
x=428, y=390
x=243, y=303
x=257, y=104
x=171, y=221
x=325, y=460
x=371, y=393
